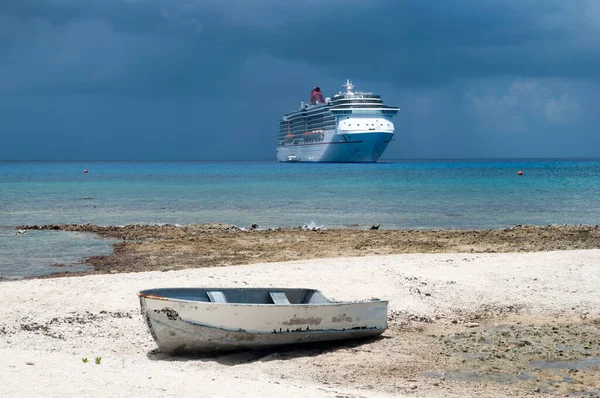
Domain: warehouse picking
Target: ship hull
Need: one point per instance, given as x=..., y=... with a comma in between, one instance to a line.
x=355, y=147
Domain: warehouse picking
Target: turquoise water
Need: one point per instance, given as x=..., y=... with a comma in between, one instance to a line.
x=396, y=195
x=407, y=195
x=39, y=252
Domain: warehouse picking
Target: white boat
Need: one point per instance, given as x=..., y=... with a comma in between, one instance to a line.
x=187, y=320
x=352, y=126
x=292, y=159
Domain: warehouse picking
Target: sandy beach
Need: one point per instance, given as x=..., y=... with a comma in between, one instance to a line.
x=460, y=324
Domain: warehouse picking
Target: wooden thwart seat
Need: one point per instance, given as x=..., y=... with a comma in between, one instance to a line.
x=216, y=297
x=279, y=298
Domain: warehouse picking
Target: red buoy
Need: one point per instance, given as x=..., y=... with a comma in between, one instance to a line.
x=85, y=171
x=520, y=173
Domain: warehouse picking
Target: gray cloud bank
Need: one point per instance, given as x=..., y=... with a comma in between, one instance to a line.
x=194, y=80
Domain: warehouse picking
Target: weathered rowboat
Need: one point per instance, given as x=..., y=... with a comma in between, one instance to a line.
x=185, y=320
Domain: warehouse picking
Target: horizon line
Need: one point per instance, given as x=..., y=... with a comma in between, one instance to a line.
x=275, y=161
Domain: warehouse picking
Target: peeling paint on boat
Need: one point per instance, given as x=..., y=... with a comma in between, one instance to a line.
x=302, y=321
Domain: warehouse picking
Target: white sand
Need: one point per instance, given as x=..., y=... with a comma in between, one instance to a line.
x=431, y=285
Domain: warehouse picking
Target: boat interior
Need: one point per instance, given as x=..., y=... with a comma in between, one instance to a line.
x=274, y=296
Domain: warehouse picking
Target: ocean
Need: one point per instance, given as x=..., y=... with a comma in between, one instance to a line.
x=468, y=194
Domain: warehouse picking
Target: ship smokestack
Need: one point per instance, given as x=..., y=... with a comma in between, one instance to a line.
x=316, y=97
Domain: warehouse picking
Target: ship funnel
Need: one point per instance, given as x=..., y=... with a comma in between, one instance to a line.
x=316, y=97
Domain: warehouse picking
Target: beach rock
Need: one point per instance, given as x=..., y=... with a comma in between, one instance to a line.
x=375, y=226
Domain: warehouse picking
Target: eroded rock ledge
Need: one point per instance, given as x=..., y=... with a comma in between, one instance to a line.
x=168, y=247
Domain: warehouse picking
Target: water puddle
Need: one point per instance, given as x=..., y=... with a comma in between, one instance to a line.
x=553, y=358
x=39, y=253
x=503, y=378
x=592, y=364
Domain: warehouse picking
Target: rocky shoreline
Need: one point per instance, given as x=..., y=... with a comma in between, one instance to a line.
x=170, y=247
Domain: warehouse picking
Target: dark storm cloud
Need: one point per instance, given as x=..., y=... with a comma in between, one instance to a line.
x=180, y=46
x=470, y=76
x=432, y=42
x=112, y=47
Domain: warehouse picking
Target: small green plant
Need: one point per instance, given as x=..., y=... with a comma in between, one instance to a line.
x=98, y=359
x=84, y=360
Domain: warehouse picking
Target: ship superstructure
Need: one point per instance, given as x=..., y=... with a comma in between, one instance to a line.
x=352, y=126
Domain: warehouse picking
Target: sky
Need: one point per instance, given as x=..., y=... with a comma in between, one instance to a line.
x=210, y=79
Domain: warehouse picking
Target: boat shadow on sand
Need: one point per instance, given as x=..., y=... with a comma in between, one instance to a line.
x=286, y=352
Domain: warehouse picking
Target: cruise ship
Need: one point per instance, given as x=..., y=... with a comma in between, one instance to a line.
x=352, y=126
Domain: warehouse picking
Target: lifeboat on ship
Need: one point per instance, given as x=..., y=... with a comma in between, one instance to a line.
x=308, y=136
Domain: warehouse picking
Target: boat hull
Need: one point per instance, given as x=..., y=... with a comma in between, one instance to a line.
x=365, y=147
x=180, y=326
x=176, y=336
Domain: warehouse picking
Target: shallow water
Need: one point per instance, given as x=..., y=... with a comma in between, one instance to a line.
x=404, y=195
x=36, y=253
x=450, y=194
